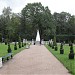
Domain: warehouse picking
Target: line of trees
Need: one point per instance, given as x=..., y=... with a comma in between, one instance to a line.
x=35, y=16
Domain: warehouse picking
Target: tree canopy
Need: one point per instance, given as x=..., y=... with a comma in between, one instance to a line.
x=35, y=16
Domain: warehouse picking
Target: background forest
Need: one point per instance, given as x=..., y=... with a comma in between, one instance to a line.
x=35, y=16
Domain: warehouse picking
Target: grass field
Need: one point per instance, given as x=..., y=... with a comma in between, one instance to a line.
x=3, y=49
x=63, y=58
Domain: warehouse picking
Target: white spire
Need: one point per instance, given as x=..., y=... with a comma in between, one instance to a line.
x=38, y=36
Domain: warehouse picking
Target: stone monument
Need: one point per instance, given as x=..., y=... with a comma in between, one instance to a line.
x=32, y=42
x=24, y=41
x=42, y=41
x=38, y=37
x=0, y=62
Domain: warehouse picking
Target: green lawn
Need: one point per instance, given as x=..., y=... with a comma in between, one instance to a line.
x=3, y=49
x=63, y=58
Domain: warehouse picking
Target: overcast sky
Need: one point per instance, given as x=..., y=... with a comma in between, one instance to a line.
x=54, y=5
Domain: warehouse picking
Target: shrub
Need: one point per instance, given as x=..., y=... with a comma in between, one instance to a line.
x=70, y=43
x=52, y=46
x=49, y=44
x=74, y=42
x=15, y=46
x=71, y=54
x=54, y=41
x=6, y=41
x=61, y=49
x=71, y=49
x=56, y=48
x=22, y=44
x=19, y=42
x=61, y=46
x=9, y=48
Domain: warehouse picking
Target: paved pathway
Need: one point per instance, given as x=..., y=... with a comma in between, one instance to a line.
x=34, y=61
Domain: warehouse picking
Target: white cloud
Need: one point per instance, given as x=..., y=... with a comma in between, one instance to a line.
x=54, y=5
x=2, y=5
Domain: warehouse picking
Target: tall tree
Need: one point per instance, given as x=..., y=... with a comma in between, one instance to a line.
x=35, y=16
x=7, y=16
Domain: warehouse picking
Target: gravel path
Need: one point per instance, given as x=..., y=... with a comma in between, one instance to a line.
x=34, y=61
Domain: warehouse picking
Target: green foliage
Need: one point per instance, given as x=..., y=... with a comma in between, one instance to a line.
x=22, y=44
x=61, y=46
x=9, y=48
x=19, y=42
x=9, y=24
x=61, y=22
x=54, y=41
x=52, y=46
x=49, y=44
x=71, y=54
x=35, y=16
x=74, y=42
x=15, y=46
x=65, y=25
x=71, y=49
x=70, y=43
x=6, y=41
x=69, y=64
x=1, y=37
x=61, y=49
x=4, y=48
x=56, y=48
x=6, y=11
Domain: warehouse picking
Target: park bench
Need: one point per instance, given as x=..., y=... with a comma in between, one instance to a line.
x=7, y=57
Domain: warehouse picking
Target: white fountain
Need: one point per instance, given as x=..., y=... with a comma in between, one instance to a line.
x=38, y=37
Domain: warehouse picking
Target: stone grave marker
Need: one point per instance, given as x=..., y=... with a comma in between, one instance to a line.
x=0, y=62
